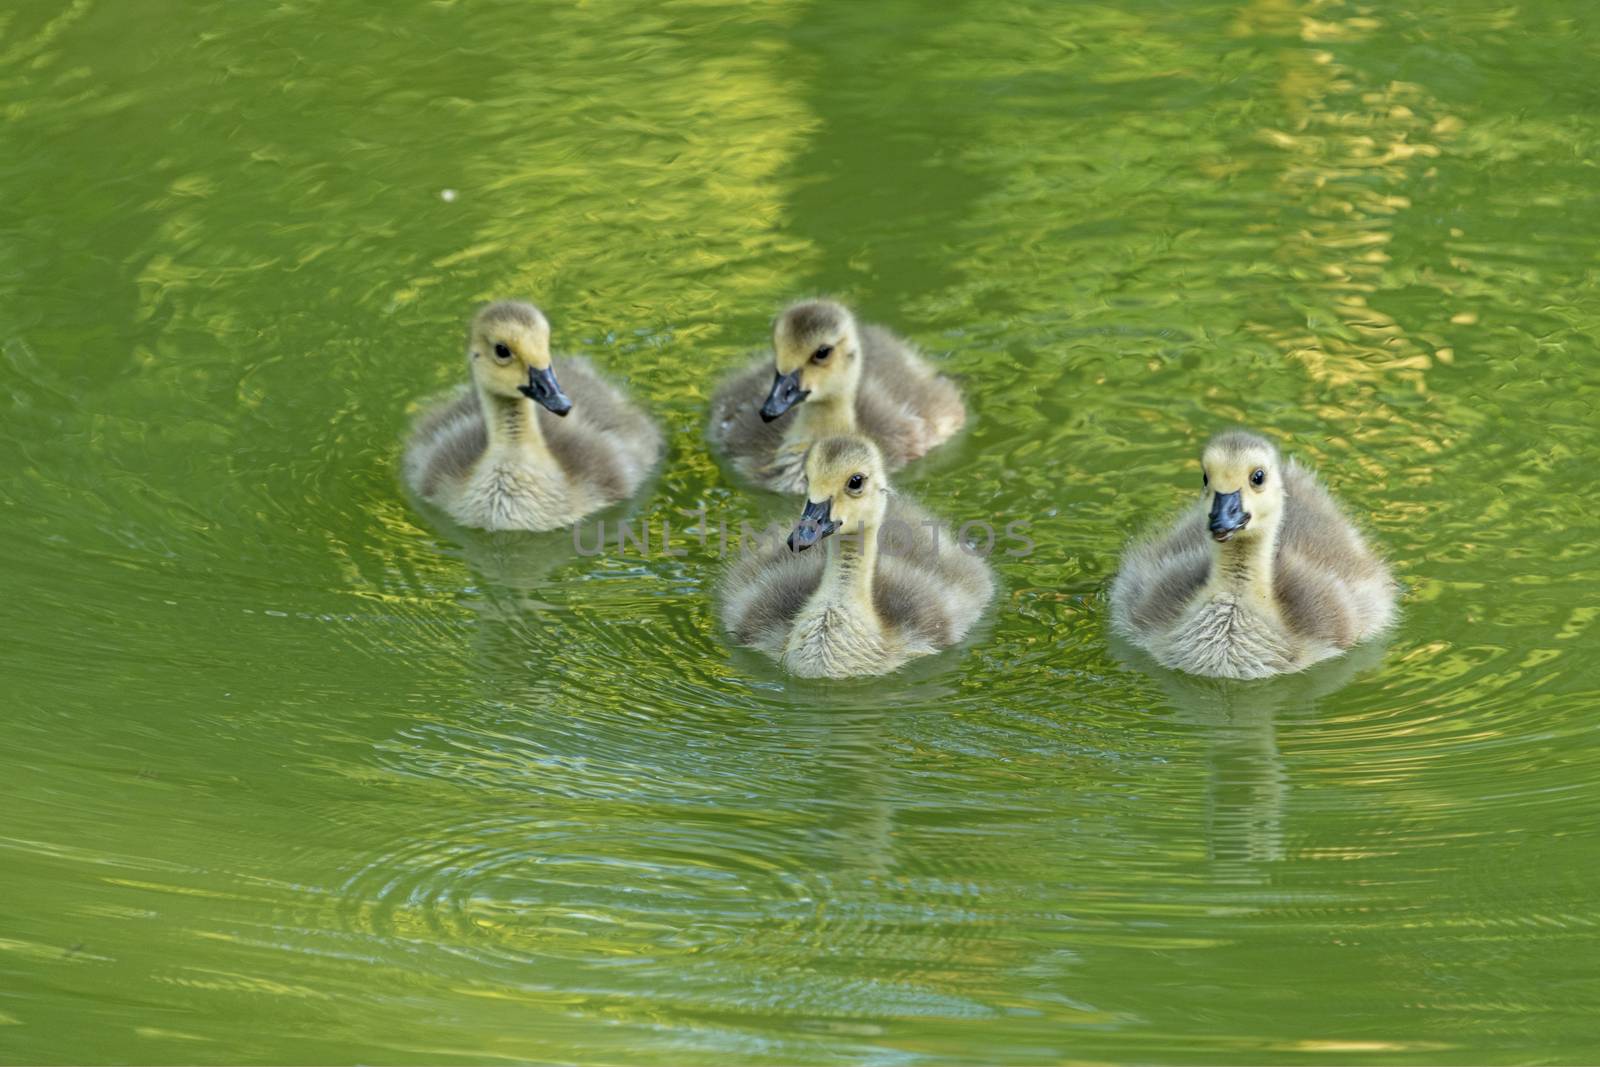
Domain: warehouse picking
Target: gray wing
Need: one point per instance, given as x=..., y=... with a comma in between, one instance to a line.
x=904, y=404
x=1161, y=573
x=1329, y=583
x=764, y=590
x=1316, y=529
x=1313, y=605
x=447, y=440
x=736, y=423
x=927, y=586
x=606, y=440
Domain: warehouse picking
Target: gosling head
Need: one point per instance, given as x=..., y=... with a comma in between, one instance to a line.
x=1243, y=479
x=817, y=354
x=845, y=489
x=508, y=348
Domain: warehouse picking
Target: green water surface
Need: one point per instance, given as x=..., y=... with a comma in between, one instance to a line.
x=289, y=772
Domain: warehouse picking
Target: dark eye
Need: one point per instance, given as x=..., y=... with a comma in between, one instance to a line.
x=1205, y=479
x=821, y=355
x=501, y=351
x=1258, y=477
x=856, y=482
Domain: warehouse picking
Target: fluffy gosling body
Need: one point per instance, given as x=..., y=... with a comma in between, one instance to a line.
x=830, y=376
x=1263, y=575
x=531, y=443
x=887, y=588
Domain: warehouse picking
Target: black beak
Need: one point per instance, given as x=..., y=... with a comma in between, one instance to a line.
x=815, y=524
x=1228, y=515
x=785, y=394
x=542, y=386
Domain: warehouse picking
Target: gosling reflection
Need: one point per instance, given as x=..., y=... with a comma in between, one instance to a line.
x=1248, y=785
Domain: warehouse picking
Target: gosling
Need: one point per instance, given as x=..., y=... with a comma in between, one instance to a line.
x=895, y=586
x=523, y=447
x=1263, y=575
x=830, y=376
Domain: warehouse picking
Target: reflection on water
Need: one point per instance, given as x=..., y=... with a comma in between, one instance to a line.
x=279, y=746
x=1247, y=782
